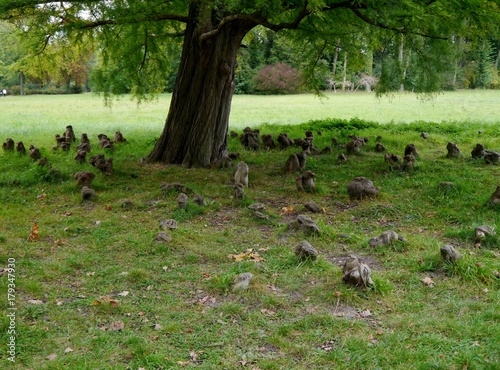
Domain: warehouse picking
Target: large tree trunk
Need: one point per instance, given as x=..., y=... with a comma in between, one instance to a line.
x=195, y=133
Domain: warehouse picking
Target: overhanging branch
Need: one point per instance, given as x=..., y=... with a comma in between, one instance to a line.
x=158, y=18
x=258, y=19
x=19, y=4
x=401, y=30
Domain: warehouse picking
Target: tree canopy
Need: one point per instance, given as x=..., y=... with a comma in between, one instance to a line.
x=138, y=43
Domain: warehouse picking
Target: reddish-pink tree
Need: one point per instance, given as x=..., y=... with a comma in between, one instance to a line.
x=279, y=78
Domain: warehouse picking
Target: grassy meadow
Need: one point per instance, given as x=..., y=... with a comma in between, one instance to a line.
x=94, y=290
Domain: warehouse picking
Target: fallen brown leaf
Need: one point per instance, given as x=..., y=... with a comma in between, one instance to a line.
x=33, y=233
x=267, y=312
x=248, y=254
x=112, y=302
x=365, y=313
x=428, y=281
x=287, y=210
x=193, y=355
x=205, y=300
x=116, y=326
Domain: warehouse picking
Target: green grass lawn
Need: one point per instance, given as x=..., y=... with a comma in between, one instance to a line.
x=35, y=114
x=95, y=266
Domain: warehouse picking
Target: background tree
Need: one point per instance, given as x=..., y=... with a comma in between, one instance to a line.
x=11, y=51
x=136, y=38
x=62, y=67
x=480, y=71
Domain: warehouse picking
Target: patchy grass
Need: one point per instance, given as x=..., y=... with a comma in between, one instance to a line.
x=180, y=309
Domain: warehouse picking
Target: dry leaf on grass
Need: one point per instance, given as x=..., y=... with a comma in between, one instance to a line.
x=206, y=300
x=329, y=345
x=116, y=326
x=428, y=281
x=249, y=254
x=193, y=355
x=287, y=210
x=112, y=302
x=123, y=294
x=35, y=301
x=365, y=313
x=68, y=350
x=267, y=312
x=51, y=357
x=33, y=233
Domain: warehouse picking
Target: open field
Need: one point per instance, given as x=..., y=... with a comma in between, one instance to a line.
x=34, y=114
x=95, y=291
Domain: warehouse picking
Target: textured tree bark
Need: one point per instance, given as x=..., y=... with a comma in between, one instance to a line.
x=195, y=132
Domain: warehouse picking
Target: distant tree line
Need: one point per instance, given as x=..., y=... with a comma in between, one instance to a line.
x=268, y=63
